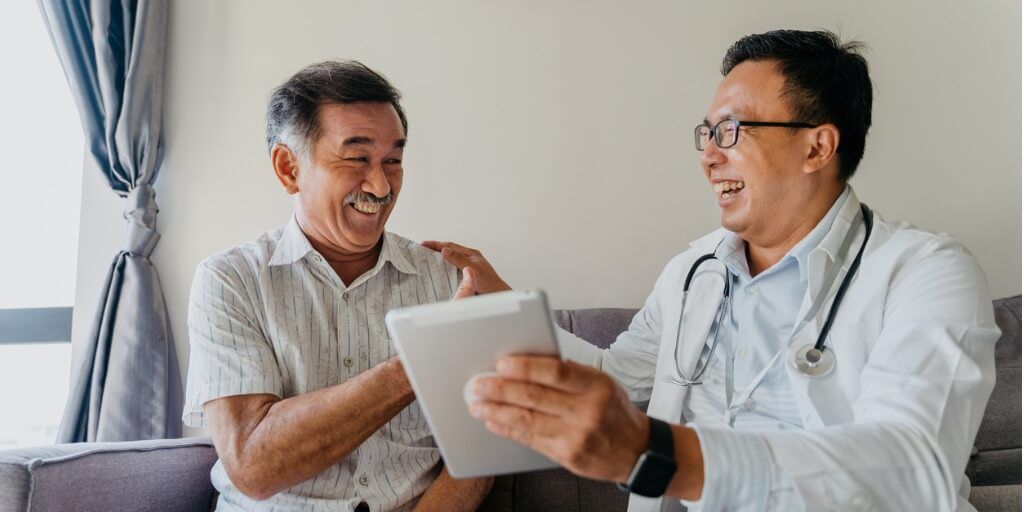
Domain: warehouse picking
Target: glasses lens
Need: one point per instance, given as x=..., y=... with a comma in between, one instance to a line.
x=726, y=133
x=701, y=135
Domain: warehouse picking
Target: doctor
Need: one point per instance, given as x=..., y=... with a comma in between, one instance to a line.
x=826, y=358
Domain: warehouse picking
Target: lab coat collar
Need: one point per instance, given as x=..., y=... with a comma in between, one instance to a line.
x=849, y=211
x=824, y=403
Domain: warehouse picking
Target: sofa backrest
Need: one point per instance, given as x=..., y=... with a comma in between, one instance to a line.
x=164, y=475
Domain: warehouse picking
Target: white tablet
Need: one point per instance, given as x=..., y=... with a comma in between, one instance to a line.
x=443, y=345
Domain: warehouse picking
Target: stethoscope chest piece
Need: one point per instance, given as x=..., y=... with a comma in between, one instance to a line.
x=812, y=362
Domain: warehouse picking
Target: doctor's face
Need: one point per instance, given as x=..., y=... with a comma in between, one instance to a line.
x=759, y=182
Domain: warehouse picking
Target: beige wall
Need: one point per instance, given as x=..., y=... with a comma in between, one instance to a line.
x=556, y=136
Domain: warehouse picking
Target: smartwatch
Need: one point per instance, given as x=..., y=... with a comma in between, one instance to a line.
x=655, y=467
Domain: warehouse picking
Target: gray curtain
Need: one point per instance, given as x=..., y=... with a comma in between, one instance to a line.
x=127, y=385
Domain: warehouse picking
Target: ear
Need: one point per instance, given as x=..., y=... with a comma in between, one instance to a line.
x=286, y=167
x=823, y=141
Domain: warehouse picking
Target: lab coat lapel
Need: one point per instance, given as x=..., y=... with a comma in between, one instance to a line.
x=706, y=291
x=821, y=400
x=666, y=402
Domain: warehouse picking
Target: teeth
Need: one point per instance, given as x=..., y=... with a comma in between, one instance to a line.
x=368, y=208
x=725, y=187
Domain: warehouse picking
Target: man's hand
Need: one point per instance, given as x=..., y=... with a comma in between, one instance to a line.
x=478, y=276
x=574, y=414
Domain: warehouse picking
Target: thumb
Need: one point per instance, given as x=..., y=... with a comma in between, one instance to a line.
x=467, y=287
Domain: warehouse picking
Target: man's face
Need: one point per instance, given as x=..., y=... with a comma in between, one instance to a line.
x=767, y=162
x=351, y=180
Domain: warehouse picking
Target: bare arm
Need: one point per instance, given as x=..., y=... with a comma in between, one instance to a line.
x=268, y=444
x=449, y=494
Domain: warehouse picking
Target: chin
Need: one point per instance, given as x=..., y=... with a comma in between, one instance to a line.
x=363, y=239
x=733, y=221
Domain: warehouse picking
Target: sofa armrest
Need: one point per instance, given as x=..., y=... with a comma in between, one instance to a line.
x=154, y=475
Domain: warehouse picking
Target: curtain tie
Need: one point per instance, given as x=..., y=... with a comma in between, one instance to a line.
x=140, y=211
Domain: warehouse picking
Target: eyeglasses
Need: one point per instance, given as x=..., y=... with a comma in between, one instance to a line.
x=727, y=132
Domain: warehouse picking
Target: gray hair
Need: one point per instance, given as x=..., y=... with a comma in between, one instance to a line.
x=292, y=112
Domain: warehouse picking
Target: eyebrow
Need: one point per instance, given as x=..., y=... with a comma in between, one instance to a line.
x=727, y=115
x=361, y=140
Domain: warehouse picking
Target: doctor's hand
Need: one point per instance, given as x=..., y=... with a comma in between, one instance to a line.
x=574, y=414
x=478, y=276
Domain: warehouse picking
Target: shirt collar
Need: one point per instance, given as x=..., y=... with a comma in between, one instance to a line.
x=293, y=246
x=398, y=254
x=816, y=238
x=732, y=249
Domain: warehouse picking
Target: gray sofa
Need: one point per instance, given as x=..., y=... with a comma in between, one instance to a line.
x=174, y=475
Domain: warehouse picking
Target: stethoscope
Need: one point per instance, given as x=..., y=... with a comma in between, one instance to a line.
x=811, y=360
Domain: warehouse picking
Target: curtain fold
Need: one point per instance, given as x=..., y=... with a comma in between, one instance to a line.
x=127, y=385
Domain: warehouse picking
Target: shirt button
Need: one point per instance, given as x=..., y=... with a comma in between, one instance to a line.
x=743, y=353
x=859, y=503
x=752, y=289
x=364, y=480
x=348, y=362
x=748, y=404
x=345, y=296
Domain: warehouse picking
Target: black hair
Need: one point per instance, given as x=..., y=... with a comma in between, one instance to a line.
x=826, y=82
x=294, y=104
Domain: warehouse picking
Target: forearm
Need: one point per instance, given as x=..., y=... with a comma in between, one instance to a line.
x=688, y=482
x=447, y=493
x=297, y=438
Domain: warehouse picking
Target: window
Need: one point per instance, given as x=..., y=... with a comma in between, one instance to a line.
x=40, y=197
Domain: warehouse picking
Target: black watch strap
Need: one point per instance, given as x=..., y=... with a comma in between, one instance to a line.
x=656, y=467
x=661, y=439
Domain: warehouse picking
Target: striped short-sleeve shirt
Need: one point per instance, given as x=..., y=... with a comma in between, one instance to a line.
x=271, y=316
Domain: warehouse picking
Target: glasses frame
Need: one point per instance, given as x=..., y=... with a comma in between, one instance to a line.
x=698, y=140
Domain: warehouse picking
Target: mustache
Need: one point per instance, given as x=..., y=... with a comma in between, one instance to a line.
x=363, y=197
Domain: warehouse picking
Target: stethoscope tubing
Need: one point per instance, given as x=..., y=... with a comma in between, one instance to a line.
x=815, y=355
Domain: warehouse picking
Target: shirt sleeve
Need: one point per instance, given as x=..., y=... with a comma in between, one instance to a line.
x=229, y=353
x=632, y=359
x=740, y=473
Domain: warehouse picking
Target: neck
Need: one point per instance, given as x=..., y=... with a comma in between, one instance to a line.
x=762, y=255
x=348, y=264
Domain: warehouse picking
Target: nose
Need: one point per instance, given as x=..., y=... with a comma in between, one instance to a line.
x=712, y=155
x=376, y=182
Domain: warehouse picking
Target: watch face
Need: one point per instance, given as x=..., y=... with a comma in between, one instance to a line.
x=653, y=473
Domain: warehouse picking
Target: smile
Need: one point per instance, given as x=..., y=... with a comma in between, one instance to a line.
x=366, y=207
x=726, y=189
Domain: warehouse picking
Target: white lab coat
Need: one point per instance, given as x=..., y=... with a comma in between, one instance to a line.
x=891, y=428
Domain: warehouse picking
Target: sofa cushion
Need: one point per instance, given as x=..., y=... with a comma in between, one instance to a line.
x=996, y=498
x=169, y=475
x=997, y=460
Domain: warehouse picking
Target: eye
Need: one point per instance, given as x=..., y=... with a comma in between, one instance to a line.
x=393, y=161
x=356, y=159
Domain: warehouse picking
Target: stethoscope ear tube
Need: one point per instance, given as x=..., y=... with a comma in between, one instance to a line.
x=693, y=270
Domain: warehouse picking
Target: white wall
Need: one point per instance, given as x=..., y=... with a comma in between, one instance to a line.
x=556, y=136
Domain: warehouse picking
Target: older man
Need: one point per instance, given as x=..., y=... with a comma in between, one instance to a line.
x=291, y=367
x=825, y=359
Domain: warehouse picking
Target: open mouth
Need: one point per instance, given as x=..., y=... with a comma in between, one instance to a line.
x=727, y=189
x=367, y=208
